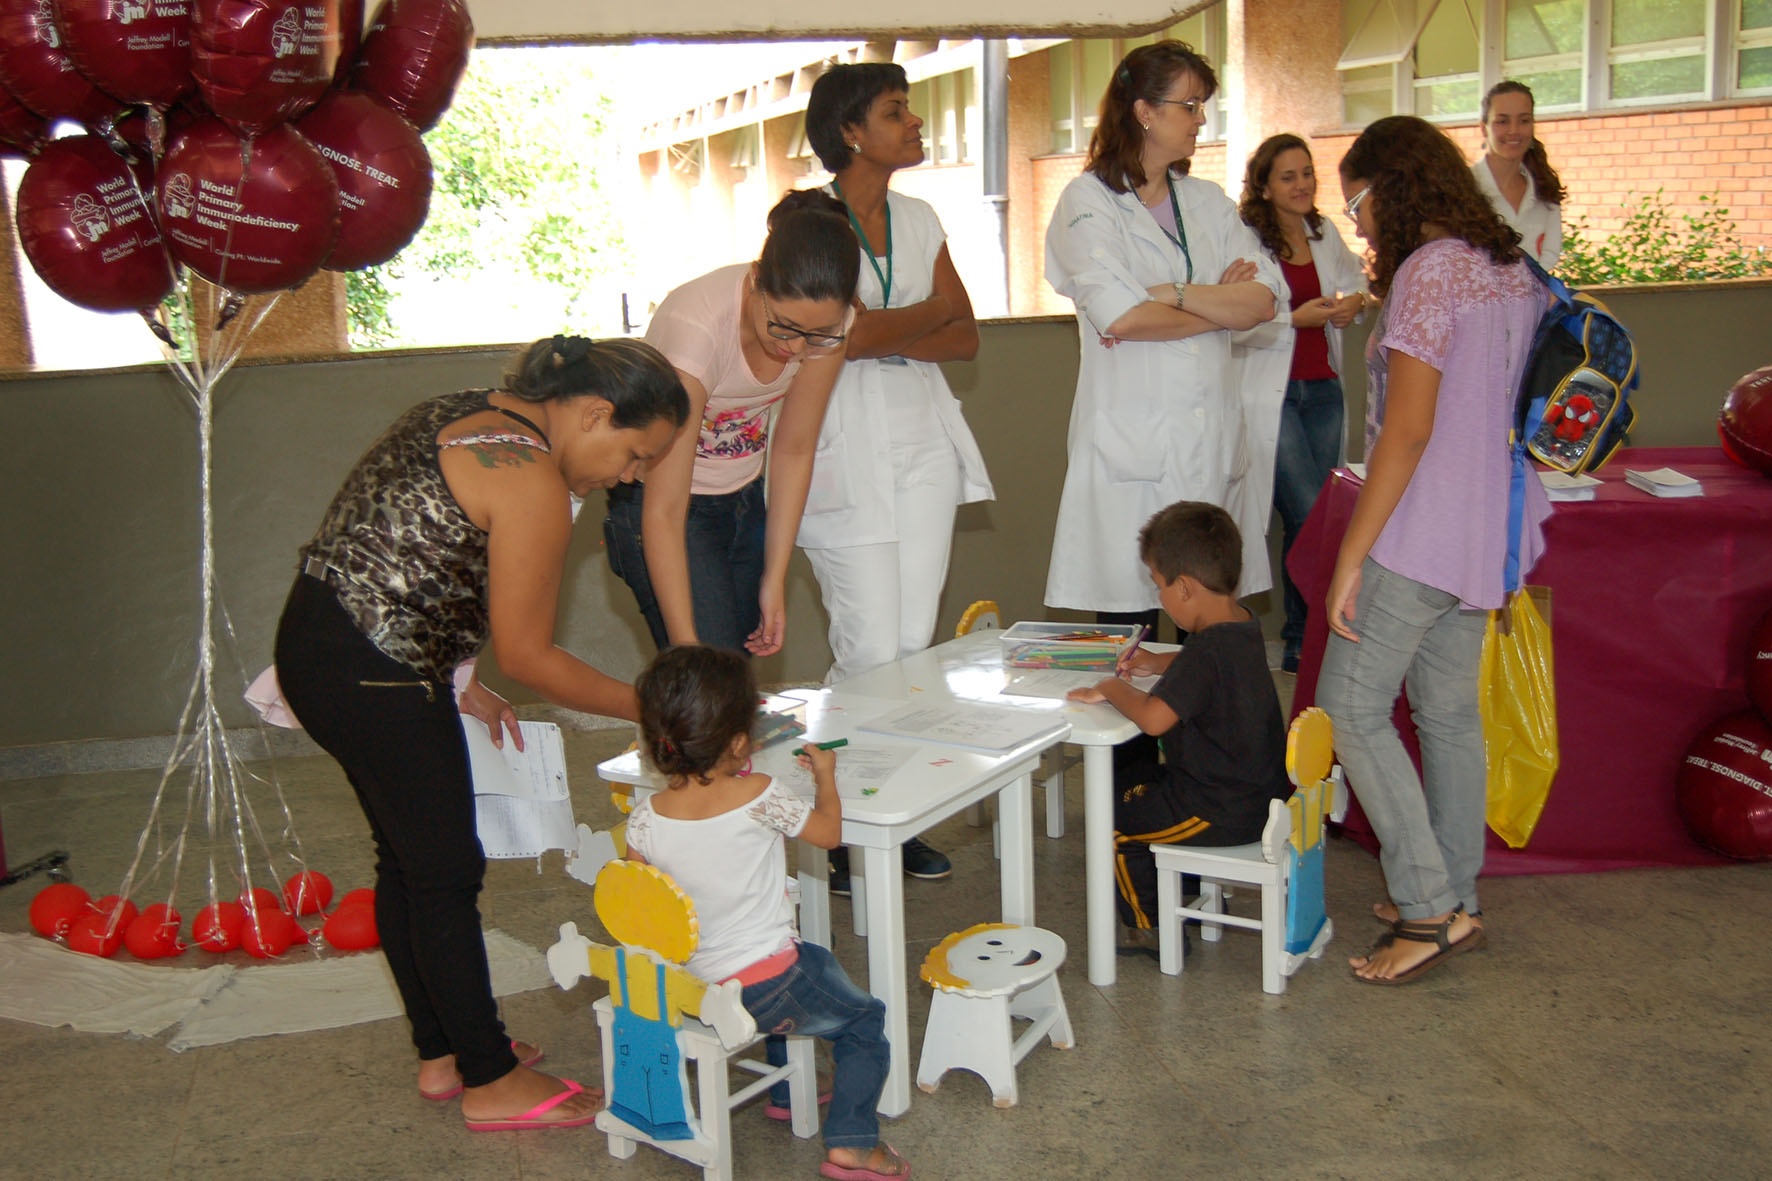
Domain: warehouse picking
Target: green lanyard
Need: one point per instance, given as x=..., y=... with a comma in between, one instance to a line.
x=1180, y=228
x=868, y=249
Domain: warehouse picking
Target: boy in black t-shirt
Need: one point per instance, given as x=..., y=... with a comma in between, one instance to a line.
x=1223, y=740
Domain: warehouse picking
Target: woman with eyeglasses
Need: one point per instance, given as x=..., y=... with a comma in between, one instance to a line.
x=1162, y=272
x=1289, y=369
x=895, y=458
x=706, y=558
x=1422, y=561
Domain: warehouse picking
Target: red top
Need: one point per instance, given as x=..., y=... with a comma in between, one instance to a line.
x=1310, y=346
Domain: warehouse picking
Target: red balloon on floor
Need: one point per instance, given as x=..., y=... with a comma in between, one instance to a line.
x=114, y=903
x=270, y=933
x=352, y=928
x=55, y=908
x=307, y=893
x=154, y=934
x=94, y=933
x=1724, y=787
x=217, y=926
x=260, y=898
x=361, y=896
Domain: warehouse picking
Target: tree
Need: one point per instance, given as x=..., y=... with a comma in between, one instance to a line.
x=524, y=210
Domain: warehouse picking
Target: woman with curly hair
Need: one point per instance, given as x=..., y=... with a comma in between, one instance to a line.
x=1515, y=173
x=1290, y=367
x=1421, y=562
x=1162, y=272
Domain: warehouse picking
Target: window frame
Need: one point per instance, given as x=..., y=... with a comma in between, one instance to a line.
x=1080, y=120
x=1721, y=46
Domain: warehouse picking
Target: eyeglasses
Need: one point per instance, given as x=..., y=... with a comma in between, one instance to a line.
x=1195, y=107
x=1352, y=208
x=780, y=331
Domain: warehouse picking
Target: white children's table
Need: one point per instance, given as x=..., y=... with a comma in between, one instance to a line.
x=933, y=783
x=971, y=669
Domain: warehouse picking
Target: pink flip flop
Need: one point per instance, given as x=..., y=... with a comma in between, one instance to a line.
x=452, y=1092
x=531, y=1119
x=839, y=1172
x=776, y=1111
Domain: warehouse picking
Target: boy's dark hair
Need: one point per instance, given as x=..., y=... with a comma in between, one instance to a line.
x=840, y=98
x=1197, y=539
x=694, y=700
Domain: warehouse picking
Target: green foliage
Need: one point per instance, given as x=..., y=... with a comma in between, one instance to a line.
x=1657, y=244
x=518, y=196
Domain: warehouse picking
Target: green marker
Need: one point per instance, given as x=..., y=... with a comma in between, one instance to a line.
x=833, y=744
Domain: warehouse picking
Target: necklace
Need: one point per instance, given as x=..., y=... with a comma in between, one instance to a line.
x=867, y=247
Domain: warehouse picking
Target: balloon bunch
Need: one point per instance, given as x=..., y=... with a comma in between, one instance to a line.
x=1724, y=784
x=251, y=142
x=260, y=923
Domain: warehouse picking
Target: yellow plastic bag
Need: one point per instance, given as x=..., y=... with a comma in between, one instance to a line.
x=1518, y=696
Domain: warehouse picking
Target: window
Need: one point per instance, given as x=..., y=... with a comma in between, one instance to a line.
x=1656, y=50
x=1436, y=57
x=948, y=106
x=1079, y=72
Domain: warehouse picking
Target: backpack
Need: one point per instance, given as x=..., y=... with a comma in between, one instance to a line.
x=1572, y=410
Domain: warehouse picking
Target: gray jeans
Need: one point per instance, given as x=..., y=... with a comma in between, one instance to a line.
x=1429, y=826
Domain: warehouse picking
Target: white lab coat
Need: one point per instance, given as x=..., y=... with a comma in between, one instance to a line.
x=1539, y=223
x=851, y=500
x=1154, y=422
x=1261, y=361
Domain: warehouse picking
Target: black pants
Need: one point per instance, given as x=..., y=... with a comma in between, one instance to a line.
x=1149, y=811
x=399, y=739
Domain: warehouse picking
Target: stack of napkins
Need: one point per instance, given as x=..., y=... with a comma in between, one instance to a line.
x=1563, y=486
x=1664, y=481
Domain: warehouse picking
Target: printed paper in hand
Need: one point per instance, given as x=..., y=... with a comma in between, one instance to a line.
x=520, y=797
x=965, y=723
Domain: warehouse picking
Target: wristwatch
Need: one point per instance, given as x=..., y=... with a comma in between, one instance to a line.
x=1179, y=289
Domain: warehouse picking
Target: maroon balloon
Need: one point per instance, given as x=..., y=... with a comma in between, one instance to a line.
x=414, y=54
x=22, y=130
x=136, y=50
x=87, y=230
x=35, y=66
x=1724, y=787
x=259, y=63
x=384, y=176
x=261, y=225
x=1745, y=422
x=350, y=38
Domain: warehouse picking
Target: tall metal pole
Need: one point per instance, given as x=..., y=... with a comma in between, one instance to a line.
x=994, y=72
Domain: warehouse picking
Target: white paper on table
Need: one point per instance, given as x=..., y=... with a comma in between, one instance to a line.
x=968, y=724
x=1049, y=682
x=521, y=802
x=861, y=770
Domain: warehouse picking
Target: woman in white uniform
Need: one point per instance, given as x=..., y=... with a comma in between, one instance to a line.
x=1515, y=172
x=1162, y=272
x=895, y=457
x=1289, y=369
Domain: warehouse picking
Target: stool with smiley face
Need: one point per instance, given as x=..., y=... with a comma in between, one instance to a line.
x=984, y=978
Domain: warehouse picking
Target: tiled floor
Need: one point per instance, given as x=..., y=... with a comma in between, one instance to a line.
x=1616, y=1026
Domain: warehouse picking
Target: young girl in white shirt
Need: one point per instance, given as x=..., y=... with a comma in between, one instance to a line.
x=719, y=831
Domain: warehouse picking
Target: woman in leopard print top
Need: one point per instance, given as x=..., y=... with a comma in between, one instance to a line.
x=451, y=531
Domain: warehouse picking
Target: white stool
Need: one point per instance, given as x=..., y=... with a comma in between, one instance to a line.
x=984, y=977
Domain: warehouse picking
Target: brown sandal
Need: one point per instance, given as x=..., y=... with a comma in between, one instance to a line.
x=1423, y=932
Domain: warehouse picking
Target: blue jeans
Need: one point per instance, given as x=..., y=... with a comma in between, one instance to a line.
x=724, y=538
x=816, y=998
x=1429, y=826
x=1310, y=443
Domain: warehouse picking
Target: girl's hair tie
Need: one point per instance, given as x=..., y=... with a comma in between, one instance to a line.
x=569, y=350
